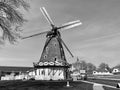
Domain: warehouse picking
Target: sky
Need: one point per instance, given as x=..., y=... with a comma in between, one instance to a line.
x=97, y=40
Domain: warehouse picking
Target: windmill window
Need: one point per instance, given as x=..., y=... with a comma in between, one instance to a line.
x=55, y=58
x=55, y=44
x=45, y=56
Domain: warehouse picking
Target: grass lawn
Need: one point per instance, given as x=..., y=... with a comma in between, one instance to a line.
x=107, y=76
x=45, y=85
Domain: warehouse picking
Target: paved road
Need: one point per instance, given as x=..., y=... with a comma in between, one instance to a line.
x=105, y=81
x=100, y=86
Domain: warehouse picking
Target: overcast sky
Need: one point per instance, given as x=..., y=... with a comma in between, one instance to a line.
x=96, y=40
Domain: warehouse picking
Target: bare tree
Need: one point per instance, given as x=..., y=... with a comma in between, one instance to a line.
x=11, y=19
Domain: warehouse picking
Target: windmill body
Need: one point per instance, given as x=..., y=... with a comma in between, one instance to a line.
x=53, y=64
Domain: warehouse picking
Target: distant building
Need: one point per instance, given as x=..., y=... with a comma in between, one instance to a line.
x=116, y=71
x=101, y=72
x=7, y=70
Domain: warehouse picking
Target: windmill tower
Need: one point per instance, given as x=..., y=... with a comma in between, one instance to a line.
x=53, y=64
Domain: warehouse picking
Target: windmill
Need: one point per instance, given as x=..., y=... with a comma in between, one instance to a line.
x=53, y=64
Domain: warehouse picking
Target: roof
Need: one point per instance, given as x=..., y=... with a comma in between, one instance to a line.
x=14, y=69
x=53, y=51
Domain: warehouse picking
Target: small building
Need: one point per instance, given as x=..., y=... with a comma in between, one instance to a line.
x=101, y=72
x=116, y=71
x=12, y=70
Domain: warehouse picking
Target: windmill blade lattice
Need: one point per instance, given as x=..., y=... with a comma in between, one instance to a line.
x=35, y=35
x=67, y=48
x=46, y=15
x=70, y=25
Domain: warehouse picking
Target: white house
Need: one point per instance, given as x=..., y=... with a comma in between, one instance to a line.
x=116, y=70
x=101, y=72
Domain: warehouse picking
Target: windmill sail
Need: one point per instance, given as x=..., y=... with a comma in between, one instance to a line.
x=46, y=15
x=70, y=25
x=35, y=35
